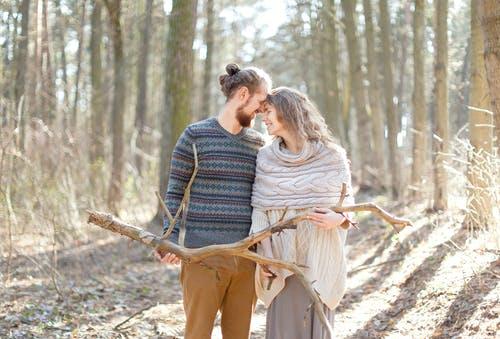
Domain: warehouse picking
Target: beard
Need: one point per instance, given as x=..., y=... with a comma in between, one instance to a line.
x=245, y=119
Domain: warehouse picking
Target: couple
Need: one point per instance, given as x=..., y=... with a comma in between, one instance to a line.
x=243, y=186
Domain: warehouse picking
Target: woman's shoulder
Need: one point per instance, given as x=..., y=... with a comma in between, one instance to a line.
x=265, y=150
x=335, y=150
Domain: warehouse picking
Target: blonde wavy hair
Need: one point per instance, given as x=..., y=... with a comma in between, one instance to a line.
x=298, y=113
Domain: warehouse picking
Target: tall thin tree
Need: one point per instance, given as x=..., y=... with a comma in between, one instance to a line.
x=179, y=80
x=480, y=131
x=392, y=119
x=142, y=84
x=207, y=72
x=334, y=115
x=21, y=66
x=60, y=32
x=374, y=94
x=74, y=115
x=441, y=134
x=96, y=150
x=47, y=90
x=418, y=100
x=364, y=150
x=115, y=186
x=489, y=11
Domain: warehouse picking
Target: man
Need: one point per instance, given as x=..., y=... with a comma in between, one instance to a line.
x=219, y=207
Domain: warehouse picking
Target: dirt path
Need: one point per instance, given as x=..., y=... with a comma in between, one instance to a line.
x=424, y=282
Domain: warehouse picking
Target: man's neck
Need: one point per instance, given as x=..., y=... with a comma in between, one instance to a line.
x=227, y=119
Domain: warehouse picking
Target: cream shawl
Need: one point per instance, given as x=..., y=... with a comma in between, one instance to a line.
x=296, y=183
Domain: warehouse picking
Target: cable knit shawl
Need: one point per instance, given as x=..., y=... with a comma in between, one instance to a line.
x=292, y=184
x=311, y=178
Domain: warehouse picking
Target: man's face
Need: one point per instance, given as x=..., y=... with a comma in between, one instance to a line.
x=248, y=110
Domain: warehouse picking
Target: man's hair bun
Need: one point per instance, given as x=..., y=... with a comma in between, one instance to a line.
x=232, y=69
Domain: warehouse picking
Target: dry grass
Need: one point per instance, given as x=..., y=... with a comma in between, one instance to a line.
x=474, y=188
x=45, y=190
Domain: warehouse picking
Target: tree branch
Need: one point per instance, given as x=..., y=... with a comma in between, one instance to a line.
x=239, y=248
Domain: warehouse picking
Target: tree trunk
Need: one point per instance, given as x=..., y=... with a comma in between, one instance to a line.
x=47, y=90
x=363, y=121
x=459, y=97
x=74, y=115
x=7, y=69
x=97, y=114
x=392, y=120
x=321, y=57
x=179, y=80
x=142, y=85
x=419, y=106
x=61, y=28
x=208, y=81
x=441, y=138
x=32, y=100
x=403, y=38
x=480, y=131
x=334, y=115
x=115, y=186
x=21, y=66
x=374, y=95
x=489, y=11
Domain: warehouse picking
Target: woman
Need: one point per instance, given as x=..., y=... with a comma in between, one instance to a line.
x=301, y=171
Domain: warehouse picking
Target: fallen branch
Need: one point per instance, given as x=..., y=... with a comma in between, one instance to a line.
x=144, y=309
x=239, y=248
x=192, y=255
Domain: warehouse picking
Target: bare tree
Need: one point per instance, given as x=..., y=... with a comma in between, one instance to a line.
x=374, y=95
x=97, y=107
x=480, y=131
x=115, y=189
x=142, y=85
x=74, y=116
x=418, y=99
x=60, y=31
x=363, y=121
x=392, y=119
x=207, y=72
x=441, y=134
x=334, y=114
x=47, y=90
x=489, y=10
x=179, y=80
x=21, y=66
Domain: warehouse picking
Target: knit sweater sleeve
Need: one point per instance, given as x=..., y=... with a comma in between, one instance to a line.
x=260, y=220
x=181, y=169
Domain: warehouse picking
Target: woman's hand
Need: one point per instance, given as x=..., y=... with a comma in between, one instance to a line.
x=325, y=218
x=266, y=271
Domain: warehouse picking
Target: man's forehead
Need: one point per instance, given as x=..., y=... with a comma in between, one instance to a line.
x=262, y=95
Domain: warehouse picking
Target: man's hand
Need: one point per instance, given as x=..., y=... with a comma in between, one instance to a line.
x=325, y=218
x=167, y=258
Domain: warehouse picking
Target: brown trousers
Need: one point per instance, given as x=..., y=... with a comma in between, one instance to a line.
x=218, y=283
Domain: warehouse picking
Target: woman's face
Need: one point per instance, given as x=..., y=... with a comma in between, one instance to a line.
x=270, y=118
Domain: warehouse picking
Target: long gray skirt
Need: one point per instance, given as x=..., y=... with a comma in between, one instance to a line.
x=288, y=316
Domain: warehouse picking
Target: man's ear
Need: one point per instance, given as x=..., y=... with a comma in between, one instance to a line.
x=243, y=93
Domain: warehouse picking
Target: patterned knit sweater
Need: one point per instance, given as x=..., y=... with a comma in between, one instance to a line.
x=219, y=210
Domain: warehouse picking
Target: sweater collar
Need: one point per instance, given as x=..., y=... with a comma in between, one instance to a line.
x=309, y=150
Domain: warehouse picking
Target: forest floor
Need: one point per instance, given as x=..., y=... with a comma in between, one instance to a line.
x=430, y=280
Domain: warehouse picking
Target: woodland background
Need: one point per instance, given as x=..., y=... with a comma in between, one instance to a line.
x=94, y=93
